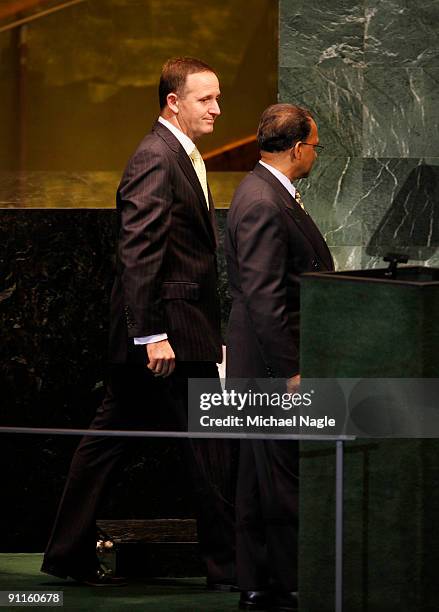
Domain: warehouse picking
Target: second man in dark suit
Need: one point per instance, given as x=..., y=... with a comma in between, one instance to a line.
x=270, y=241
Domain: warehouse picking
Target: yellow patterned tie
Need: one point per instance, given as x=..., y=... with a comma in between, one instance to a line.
x=299, y=200
x=200, y=169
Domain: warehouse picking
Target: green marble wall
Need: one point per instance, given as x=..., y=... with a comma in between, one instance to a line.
x=369, y=72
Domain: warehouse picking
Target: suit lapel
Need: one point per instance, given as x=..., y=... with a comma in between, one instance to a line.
x=186, y=166
x=213, y=218
x=302, y=219
x=319, y=243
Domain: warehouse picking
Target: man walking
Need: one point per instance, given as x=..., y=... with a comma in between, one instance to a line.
x=165, y=327
x=270, y=241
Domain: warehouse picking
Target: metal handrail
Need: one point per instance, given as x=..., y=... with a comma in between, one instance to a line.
x=143, y=433
x=339, y=469
x=43, y=13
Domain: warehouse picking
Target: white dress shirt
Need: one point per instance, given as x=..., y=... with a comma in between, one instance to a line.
x=281, y=177
x=184, y=140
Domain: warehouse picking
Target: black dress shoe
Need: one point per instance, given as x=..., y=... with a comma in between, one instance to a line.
x=284, y=601
x=255, y=600
x=96, y=578
x=100, y=578
x=53, y=570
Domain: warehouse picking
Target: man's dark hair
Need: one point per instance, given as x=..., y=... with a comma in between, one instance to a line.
x=281, y=126
x=174, y=74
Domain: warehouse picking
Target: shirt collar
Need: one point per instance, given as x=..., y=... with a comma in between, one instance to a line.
x=281, y=177
x=184, y=140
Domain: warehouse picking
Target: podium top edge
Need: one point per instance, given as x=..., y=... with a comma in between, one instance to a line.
x=377, y=275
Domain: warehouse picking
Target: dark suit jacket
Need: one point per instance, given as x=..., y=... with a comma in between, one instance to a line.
x=270, y=241
x=166, y=263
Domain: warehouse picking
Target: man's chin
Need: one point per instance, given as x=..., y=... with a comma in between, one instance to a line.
x=306, y=174
x=207, y=129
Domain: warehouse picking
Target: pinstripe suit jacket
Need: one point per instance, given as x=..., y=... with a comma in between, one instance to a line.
x=166, y=276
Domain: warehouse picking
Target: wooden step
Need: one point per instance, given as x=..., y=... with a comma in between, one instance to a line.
x=152, y=548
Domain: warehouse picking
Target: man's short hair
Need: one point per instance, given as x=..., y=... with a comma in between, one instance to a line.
x=174, y=74
x=281, y=126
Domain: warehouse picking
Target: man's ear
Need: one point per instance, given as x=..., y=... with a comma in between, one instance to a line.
x=296, y=151
x=172, y=100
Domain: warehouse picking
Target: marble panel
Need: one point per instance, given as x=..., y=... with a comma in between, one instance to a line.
x=223, y=282
x=347, y=257
x=357, y=258
x=400, y=208
x=332, y=194
x=333, y=95
x=401, y=116
x=401, y=33
x=326, y=34
x=56, y=272
x=433, y=261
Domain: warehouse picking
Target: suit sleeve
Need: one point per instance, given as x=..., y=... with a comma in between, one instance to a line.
x=145, y=198
x=262, y=251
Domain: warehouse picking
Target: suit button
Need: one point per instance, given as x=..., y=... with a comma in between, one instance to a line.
x=315, y=265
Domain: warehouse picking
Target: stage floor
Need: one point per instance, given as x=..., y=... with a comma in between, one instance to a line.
x=20, y=572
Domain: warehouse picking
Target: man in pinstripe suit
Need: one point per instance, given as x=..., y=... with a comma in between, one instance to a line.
x=165, y=327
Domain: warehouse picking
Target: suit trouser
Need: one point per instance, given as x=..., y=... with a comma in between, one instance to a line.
x=267, y=515
x=131, y=390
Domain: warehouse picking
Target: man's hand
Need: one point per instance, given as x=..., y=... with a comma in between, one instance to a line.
x=161, y=358
x=293, y=384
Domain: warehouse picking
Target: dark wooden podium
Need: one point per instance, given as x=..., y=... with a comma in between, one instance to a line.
x=367, y=325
